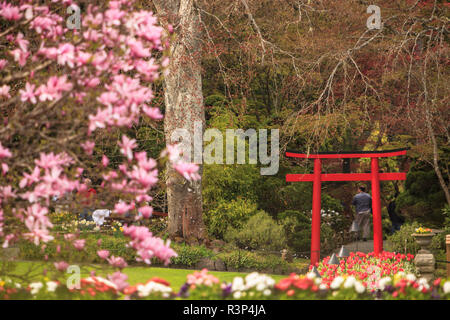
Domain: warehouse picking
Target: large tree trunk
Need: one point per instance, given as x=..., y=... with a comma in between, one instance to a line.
x=183, y=107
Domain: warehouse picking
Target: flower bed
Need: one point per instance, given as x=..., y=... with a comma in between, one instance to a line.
x=354, y=279
x=367, y=268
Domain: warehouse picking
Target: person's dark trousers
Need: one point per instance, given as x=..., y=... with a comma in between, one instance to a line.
x=363, y=220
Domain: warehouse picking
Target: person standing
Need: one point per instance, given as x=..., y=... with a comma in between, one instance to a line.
x=363, y=207
x=396, y=220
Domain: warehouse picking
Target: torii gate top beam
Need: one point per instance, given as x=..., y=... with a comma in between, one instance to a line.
x=348, y=154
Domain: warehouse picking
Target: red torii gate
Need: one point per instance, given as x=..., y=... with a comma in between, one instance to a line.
x=374, y=176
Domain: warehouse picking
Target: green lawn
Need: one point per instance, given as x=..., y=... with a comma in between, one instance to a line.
x=176, y=277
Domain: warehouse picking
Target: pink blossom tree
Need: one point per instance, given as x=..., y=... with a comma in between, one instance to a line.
x=60, y=88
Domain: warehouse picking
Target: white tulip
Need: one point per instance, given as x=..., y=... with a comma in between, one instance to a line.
x=411, y=277
x=51, y=286
x=336, y=283
x=446, y=287
x=349, y=282
x=35, y=287
x=359, y=287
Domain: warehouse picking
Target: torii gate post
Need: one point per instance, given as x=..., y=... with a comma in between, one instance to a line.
x=374, y=176
x=315, y=223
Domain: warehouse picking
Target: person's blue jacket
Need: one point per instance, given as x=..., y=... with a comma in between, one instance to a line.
x=362, y=202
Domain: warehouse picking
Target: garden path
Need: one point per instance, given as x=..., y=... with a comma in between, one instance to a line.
x=361, y=246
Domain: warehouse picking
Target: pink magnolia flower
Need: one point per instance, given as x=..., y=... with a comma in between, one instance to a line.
x=137, y=48
x=144, y=177
x=79, y=244
x=66, y=54
x=30, y=179
x=38, y=235
x=83, y=58
x=22, y=42
x=148, y=69
x=113, y=16
x=146, y=211
x=69, y=236
x=187, y=170
x=110, y=175
x=126, y=146
x=20, y=56
x=7, y=192
x=108, y=98
x=54, y=88
x=79, y=172
x=8, y=238
x=5, y=168
x=100, y=119
x=4, y=152
x=4, y=91
x=104, y=254
x=174, y=153
x=144, y=162
x=92, y=83
x=105, y=161
x=88, y=147
x=117, y=262
x=3, y=63
x=91, y=35
x=10, y=12
x=61, y=266
x=153, y=113
x=165, y=62
x=143, y=197
x=48, y=24
x=38, y=223
x=47, y=161
x=122, y=207
x=28, y=94
x=123, y=168
x=147, y=246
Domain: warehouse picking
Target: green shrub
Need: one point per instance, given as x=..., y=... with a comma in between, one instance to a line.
x=227, y=214
x=423, y=197
x=438, y=245
x=225, y=183
x=402, y=241
x=246, y=260
x=115, y=244
x=190, y=255
x=259, y=232
x=298, y=229
x=275, y=196
x=297, y=226
x=158, y=226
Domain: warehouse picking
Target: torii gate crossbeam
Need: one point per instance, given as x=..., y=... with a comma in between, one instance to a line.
x=374, y=176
